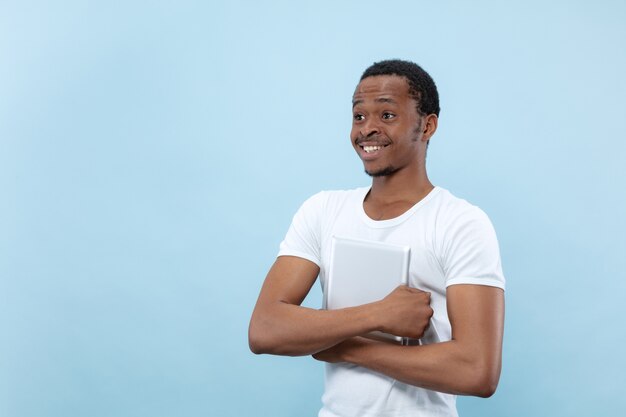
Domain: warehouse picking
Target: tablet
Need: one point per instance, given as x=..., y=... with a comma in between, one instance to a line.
x=363, y=271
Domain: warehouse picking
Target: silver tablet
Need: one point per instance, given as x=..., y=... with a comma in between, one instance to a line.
x=363, y=271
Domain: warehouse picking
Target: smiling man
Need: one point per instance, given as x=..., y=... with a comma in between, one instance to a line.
x=455, y=301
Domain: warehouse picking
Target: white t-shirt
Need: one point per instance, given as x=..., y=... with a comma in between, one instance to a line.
x=452, y=242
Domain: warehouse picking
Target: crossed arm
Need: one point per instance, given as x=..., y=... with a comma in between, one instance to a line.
x=469, y=364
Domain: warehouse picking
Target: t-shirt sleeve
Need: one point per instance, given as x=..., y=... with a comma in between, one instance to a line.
x=471, y=251
x=303, y=237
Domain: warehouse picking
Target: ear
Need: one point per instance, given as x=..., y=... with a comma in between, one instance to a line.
x=429, y=127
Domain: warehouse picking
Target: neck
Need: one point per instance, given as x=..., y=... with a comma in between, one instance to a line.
x=402, y=185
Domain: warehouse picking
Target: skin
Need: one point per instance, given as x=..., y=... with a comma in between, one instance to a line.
x=384, y=114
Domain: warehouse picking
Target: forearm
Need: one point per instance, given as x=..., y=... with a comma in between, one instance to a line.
x=468, y=364
x=451, y=367
x=286, y=329
x=281, y=326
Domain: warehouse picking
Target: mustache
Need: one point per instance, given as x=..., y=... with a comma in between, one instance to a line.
x=376, y=139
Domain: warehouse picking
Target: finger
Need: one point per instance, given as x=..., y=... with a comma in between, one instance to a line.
x=417, y=290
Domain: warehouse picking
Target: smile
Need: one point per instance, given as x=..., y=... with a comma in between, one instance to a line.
x=370, y=148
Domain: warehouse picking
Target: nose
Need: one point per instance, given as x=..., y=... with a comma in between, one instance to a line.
x=370, y=128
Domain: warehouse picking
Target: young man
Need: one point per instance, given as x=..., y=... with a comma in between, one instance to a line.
x=455, y=271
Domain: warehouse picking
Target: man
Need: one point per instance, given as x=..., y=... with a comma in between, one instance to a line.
x=455, y=272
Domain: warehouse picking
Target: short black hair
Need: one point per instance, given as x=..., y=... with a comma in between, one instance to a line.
x=421, y=86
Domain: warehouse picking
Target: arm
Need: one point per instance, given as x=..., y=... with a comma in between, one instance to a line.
x=279, y=325
x=469, y=364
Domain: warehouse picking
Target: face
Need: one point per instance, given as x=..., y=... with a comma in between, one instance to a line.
x=386, y=128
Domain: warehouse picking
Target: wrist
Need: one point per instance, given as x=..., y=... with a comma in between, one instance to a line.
x=376, y=316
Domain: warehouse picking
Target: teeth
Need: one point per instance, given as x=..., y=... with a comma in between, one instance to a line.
x=369, y=149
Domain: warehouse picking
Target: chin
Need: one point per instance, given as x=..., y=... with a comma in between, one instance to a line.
x=383, y=172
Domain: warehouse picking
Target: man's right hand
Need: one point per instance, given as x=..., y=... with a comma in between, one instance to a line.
x=405, y=312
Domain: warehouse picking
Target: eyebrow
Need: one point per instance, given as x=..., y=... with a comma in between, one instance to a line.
x=378, y=100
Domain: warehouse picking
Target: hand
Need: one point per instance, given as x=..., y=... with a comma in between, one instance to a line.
x=405, y=312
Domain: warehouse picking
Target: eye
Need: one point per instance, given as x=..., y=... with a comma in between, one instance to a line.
x=358, y=117
x=388, y=116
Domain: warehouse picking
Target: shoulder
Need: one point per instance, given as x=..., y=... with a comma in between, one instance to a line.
x=454, y=210
x=459, y=222
x=333, y=199
x=467, y=244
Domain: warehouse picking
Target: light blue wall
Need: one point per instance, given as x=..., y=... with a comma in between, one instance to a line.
x=152, y=155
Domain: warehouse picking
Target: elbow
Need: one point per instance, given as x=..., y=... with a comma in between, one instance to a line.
x=262, y=339
x=485, y=381
x=259, y=331
x=485, y=390
x=261, y=342
x=255, y=346
x=267, y=336
x=256, y=341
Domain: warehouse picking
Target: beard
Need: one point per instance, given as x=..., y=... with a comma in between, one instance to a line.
x=383, y=172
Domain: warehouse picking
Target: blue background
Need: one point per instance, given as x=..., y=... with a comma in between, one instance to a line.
x=152, y=155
